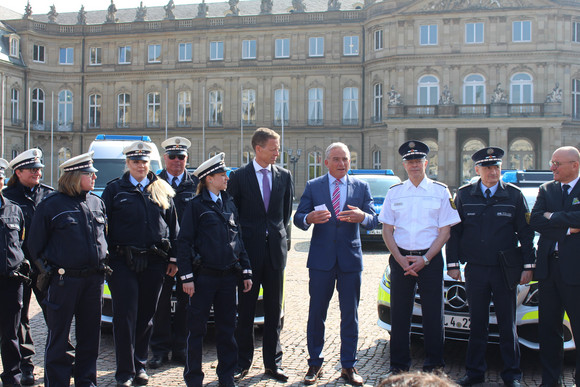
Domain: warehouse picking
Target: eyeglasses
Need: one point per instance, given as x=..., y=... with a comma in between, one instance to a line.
x=558, y=163
x=180, y=157
x=90, y=174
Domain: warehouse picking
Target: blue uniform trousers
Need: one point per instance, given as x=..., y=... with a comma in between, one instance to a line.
x=81, y=298
x=10, y=305
x=484, y=283
x=403, y=288
x=219, y=291
x=134, y=296
x=169, y=334
x=321, y=288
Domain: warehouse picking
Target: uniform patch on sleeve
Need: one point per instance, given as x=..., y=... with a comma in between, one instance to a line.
x=528, y=216
x=452, y=204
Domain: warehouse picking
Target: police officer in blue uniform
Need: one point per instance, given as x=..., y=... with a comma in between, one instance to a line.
x=494, y=218
x=417, y=216
x=25, y=188
x=212, y=258
x=142, y=231
x=11, y=280
x=68, y=247
x=170, y=334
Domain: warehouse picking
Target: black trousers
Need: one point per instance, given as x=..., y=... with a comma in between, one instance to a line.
x=484, y=283
x=272, y=281
x=403, y=288
x=219, y=291
x=555, y=297
x=81, y=298
x=10, y=305
x=170, y=334
x=134, y=297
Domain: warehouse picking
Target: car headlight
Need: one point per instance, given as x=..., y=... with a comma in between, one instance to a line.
x=532, y=296
x=387, y=277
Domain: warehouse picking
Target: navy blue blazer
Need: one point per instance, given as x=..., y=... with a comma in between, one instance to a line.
x=335, y=242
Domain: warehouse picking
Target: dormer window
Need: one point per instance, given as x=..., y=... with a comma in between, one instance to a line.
x=14, y=46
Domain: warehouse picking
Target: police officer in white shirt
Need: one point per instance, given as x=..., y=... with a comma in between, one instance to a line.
x=417, y=216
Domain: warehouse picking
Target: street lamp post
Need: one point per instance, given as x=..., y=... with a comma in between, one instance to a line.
x=294, y=159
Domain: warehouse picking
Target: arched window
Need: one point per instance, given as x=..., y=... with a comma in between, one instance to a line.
x=123, y=110
x=433, y=157
x=353, y=160
x=281, y=109
x=428, y=90
x=315, y=106
x=216, y=108
x=65, y=110
x=314, y=164
x=467, y=165
x=95, y=110
x=153, y=109
x=38, y=109
x=474, y=90
x=378, y=102
x=522, y=88
x=521, y=154
x=249, y=106
x=184, y=108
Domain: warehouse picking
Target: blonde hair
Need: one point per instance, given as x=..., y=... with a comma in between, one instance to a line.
x=161, y=192
x=69, y=183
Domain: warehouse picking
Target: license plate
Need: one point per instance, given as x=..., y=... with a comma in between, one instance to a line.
x=376, y=231
x=457, y=322
x=173, y=305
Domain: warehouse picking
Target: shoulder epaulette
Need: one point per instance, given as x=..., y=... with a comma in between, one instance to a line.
x=395, y=185
x=464, y=186
x=441, y=184
x=50, y=195
x=511, y=185
x=115, y=179
x=46, y=186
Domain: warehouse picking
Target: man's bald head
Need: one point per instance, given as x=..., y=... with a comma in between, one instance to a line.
x=565, y=164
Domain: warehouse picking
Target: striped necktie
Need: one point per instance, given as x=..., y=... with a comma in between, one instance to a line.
x=336, y=197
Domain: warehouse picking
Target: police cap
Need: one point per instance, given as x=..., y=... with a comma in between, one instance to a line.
x=3, y=166
x=138, y=150
x=29, y=159
x=176, y=146
x=414, y=150
x=215, y=164
x=488, y=156
x=82, y=163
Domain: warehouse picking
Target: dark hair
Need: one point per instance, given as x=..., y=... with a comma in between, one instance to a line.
x=69, y=183
x=262, y=135
x=13, y=179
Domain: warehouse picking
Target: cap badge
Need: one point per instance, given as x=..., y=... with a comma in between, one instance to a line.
x=490, y=151
x=177, y=141
x=140, y=146
x=411, y=145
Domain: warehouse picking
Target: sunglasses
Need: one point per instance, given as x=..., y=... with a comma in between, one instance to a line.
x=180, y=157
x=91, y=174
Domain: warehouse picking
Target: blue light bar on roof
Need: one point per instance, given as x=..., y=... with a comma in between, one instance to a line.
x=121, y=137
x=371, y=172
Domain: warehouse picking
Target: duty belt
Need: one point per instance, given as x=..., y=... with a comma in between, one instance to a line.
x=413, y=252
x=79, y=272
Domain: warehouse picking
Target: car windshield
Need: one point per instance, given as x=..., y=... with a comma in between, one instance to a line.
x=379, y=186
x=530, y=193
x=110, y=169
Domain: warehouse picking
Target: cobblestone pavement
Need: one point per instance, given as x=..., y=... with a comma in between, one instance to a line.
x=373, y=341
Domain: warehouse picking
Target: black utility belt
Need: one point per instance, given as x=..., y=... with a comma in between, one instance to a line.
x=218, y=272
x=78, y=272
x=413, y=252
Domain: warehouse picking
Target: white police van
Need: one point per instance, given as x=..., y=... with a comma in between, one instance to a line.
x=110, y=160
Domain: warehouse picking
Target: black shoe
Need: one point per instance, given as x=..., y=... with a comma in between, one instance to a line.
x=277, y=373
x=312, y=375
x=141, y=379
x=157, y=361
x=470, y=380
x=241, y=373
x=27, y=378
x=179, y=358
x=512, y=383
x=126, y=383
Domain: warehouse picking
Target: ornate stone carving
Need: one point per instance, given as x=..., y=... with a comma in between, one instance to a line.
x=234, y=10
x=498, y=96
x=169, y=10
x=202, y=9
x=394, y=97
x=111, y=13
x=555, y=95
x=82, y=16
x=298, y=6
x=333, y=5
x=141, y=13
x=52, y=14
x=27, y=11
x=446, y=98
x=266, y=7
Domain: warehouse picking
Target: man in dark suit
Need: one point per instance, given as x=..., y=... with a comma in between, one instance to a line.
x=170, y=334
x=336, y=204
x=556, y=216
x=263, y=194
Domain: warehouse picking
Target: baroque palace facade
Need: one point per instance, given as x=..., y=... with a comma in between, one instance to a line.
x=456, y=74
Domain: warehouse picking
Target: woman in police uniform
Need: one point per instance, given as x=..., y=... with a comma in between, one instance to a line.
x=211, y=260
x=142, y=230
x=68, y=244
x=11, y=234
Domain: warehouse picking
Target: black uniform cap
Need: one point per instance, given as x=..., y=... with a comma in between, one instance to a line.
x=488, y=156
x=414, y=150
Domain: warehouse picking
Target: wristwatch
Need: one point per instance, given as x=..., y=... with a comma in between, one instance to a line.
x=425, y=260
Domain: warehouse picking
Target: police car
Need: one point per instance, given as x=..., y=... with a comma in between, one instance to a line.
x=456, y=313
x=379, y=180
